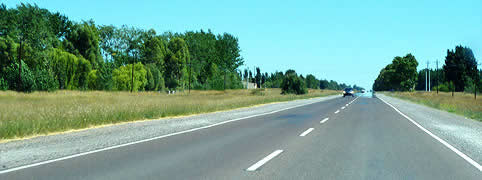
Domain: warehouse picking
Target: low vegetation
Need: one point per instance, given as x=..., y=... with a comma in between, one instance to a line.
x=462, y=103
x=29, y=114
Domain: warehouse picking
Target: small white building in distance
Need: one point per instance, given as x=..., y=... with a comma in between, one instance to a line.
x=250, y=85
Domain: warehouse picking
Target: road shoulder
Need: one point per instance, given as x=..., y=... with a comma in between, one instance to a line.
x=460, y=132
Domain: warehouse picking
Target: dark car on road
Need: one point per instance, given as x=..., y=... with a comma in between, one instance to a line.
x=348, y=92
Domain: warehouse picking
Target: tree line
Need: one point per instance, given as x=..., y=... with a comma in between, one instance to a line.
x=292, y=82
x=46, y=51
x=458, y=73
x=42, y=50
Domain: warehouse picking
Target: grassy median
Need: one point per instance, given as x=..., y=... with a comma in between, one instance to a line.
x=461, y=103
x=23, y=115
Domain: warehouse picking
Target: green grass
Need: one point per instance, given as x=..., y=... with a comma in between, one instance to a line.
x=24, y=115
x=462, y=103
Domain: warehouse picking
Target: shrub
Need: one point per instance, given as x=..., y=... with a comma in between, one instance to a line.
x=444, y=87
x=28, y=81
x=292, y=84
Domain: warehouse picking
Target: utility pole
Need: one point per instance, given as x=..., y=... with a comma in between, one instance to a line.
x=19, y=88
x=426, y=76
x=132, y=81
x=429, y=87
x=247, y=76
x=189, y=76
x=476, y=82
x=437, y=72
x=254, y=76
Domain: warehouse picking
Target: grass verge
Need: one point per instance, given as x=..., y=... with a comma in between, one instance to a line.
x=38, y=113
x=462, y=103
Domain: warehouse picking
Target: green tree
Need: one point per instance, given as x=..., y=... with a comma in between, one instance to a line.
x=275, y=80
x=202, y=50
x=401, y=74
x=460, y=67
x=71, y=72
x=108, y=42
x=175, y=63
x=258, y=77
x=153, y=49
x=8, y=51
x=28, y=79
x=84, y=39
x=312, y=82
x=228, y=51
x=155, y=79
x=324, y=84
x=122, y=77
x=293, y=84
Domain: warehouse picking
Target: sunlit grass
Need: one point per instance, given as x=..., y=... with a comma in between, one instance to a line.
x=462, y=103
x=37, y=113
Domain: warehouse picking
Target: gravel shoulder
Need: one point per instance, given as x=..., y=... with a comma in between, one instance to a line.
x=43, y=148
x=460, y=132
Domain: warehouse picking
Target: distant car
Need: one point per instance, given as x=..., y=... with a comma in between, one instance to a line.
x=348, y=92
x=362, y=91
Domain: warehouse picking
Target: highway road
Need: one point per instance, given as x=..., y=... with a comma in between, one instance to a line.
x=342, y=138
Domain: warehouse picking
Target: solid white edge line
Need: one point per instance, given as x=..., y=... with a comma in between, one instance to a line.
x=264, y=160
x=324, y=120
x=306, y=132
x=337, y=111
x=461, y=154
x=146, y=140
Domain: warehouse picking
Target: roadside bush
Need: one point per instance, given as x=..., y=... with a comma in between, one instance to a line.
x=443, y=87
x=292, y=84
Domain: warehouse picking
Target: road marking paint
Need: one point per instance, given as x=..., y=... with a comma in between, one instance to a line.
x=343, y=107
x=146, y=140
x=324, y=120
x=306, y=132
x=264, y=160
x=461, y=154
x=346, y=104
x=337, y=111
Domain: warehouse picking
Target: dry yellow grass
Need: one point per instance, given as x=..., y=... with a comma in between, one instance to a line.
x=462, y=103
x=37, y=113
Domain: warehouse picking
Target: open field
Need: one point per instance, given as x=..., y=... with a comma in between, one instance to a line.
x=23, y=115
x=462, y=103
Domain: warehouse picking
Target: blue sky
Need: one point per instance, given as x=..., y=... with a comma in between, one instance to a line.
x=347, y=41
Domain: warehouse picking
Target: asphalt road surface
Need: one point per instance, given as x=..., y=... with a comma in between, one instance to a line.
x=342, y=138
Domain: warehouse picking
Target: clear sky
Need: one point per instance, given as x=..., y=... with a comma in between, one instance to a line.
x=347, y=41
